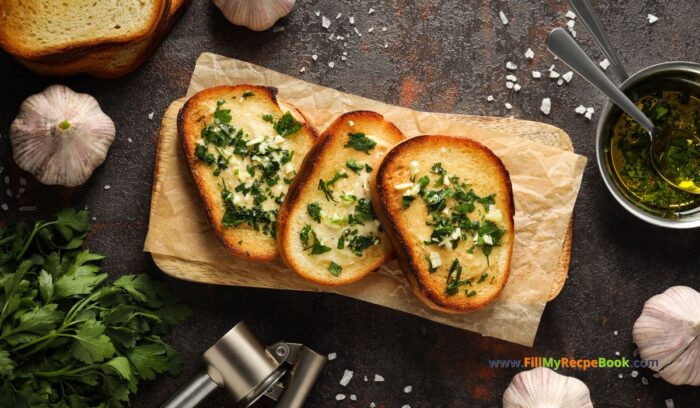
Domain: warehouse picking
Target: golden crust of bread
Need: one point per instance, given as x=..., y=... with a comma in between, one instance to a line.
x=325, y=158
x=242, y=241
x=10, y=40
x=476, y=165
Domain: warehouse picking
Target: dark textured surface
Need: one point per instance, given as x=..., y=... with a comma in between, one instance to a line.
x=441, y=56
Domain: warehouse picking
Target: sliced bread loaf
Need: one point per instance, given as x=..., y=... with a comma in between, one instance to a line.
x=43, y=28
x=447, y=205
x=244, y=149
x=327, y=230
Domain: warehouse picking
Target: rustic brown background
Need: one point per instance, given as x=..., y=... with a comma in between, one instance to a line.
x=441, y=56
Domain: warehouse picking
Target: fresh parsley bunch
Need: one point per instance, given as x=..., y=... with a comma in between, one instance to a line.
x=67, y=338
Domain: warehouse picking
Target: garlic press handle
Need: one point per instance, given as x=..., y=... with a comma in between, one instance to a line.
x=192, y=392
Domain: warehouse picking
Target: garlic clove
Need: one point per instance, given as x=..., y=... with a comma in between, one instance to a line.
x=61, y=136
x=544, y=388
x=258, y=15
x=668, y=331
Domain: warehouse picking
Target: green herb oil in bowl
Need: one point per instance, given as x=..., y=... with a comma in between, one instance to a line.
x=629, y=151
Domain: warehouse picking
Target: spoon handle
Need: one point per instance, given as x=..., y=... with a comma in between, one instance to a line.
x=590, y=20
x=560, y=43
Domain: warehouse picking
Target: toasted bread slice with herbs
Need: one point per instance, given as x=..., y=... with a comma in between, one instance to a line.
x=327, y=230
x=447, y=205
x=244, y=149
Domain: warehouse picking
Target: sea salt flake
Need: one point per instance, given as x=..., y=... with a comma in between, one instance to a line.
x=529, y=54
x=511, y=66
x=370, y=11
x=340, y=397
x=652, y=18
x=378, y=378
x=581, y=110
x=571, y=23
x=332, y=356
x=568, y=76
x=504, y=19
x=546, y=106
x=150, y=115
x=536, y=74
x=511, y=78
x=570, y=15
x=553, y=74
x=509, y=106
x=407, y=389
x=347, y=376
x=325, y=22
x=338, y=16
x=604, y=64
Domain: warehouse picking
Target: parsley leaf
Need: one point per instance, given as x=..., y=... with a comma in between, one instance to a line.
x=359, y=141
x=354, y=166
x=314, y=210
x=247, y=94
x=335, y=269
x=287, y=125
x=92, y=345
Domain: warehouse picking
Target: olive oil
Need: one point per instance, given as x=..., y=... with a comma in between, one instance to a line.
x=630, y=157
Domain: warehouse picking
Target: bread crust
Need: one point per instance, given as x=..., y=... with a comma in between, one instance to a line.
x=385, y=206
x=84, y=45
x=294, y=201
x=265, y=248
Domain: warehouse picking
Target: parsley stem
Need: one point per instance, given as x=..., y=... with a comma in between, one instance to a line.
x=37, y=227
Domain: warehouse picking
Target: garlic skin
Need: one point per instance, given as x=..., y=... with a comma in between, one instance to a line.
x=61, y=136
x=258, y=15
x=544, y=388
x=668, y=330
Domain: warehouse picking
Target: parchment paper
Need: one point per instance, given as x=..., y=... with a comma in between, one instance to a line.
x=545, y=181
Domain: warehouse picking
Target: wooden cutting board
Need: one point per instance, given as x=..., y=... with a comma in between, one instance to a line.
x=168, y=143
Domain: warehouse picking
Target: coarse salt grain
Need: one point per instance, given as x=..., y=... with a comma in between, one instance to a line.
x=325, y=22
x=277, y=29
x=407, y=389
x=489, y=98
x=384, y=29
x=581, y=110
x=338, y=15
x=318, y=13
x=150, y=115
x=504, y=19
x=568, y=76
x=615, y=333
x=570, y=15
x=509, y=85
x=669, y=403
x=8, y=192
x=560, y=82
x=634, y=373
x=332, y=356
x=22, y=181
x=645, y=381
x=509, y=106
x=516, y=88
x=652, y=18
x=357, y=32
x=511, y=66
x=551, y=68
x=529, y=54
x=378, y=378
x=604, y=64
x=107, y=187
x=347, y=376
x=340, y=397
x=536, y=74
x=511, y=78
x=366, y=379
x=620, y=375
x=571, y=23
x=351, y=19
x=353, y=397
x=370, y=11
x=369, y=30
x=406, y=406
x=302, y=69
x=372, y=405
x=128, y=139
x=617, y=353
x=314, y=57
x=553, y=74
x=331, y=64
x=546, y=106
x=4, y=207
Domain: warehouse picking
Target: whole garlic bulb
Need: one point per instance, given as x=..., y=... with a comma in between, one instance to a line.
x=258, y=15
x=543, y=388
x=61, y=136
x=668, y=330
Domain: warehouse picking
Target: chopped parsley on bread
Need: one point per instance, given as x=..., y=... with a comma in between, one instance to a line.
x=447, y=206
x=327, y=230
x=244, y=149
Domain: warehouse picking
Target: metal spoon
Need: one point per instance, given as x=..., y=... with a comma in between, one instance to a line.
x=561, y=44
x=584, y=11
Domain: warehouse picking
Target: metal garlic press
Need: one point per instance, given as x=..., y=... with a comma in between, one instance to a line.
x=284, y=372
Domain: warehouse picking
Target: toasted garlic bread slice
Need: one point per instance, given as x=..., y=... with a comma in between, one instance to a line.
x=244, y=150
x=447, y=205
x=327, y=231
